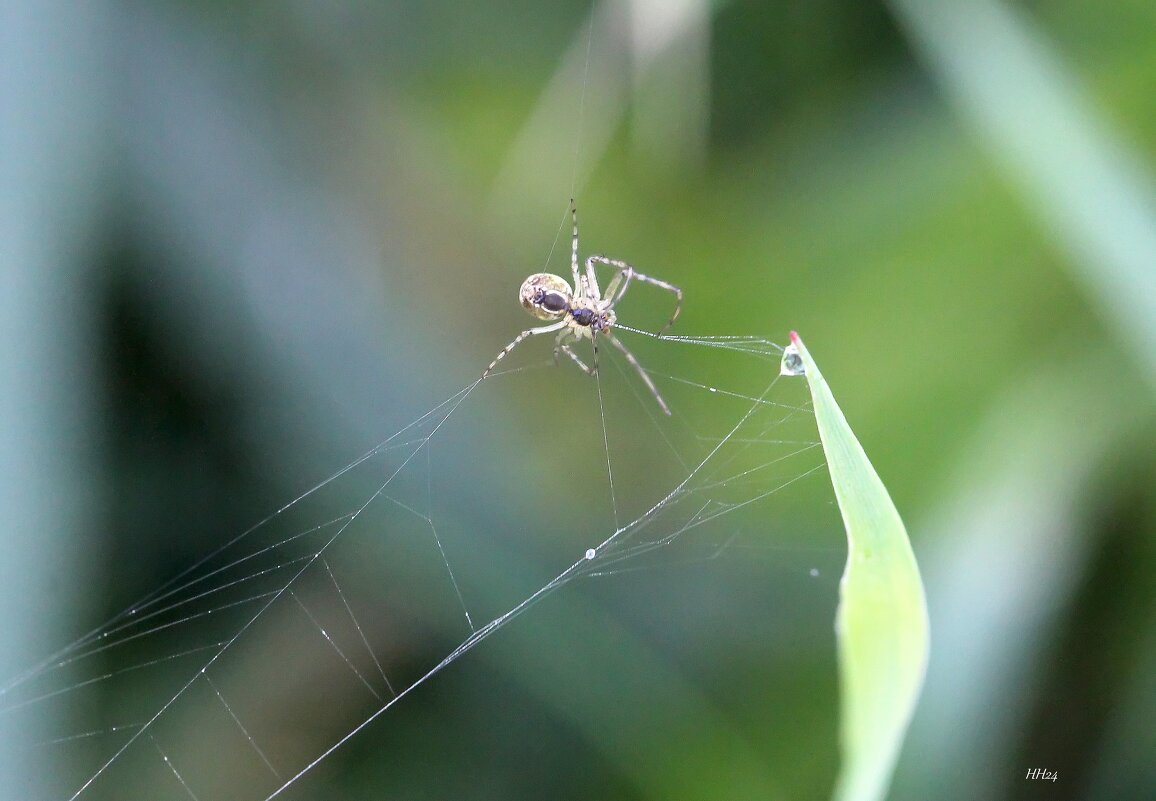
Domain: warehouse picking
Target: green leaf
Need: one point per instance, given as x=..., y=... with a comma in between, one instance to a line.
x=881, y=625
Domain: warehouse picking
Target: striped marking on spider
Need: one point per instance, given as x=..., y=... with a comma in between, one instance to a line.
x=585, y=312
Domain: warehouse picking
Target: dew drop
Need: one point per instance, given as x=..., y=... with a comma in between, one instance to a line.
x=792, y=363
x=712, y=389
x=591, y=553
x=814, y=571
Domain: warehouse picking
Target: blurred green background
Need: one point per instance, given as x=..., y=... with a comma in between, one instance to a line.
x=243, y=242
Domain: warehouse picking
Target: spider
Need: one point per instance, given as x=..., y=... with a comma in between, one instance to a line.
x=585, y=312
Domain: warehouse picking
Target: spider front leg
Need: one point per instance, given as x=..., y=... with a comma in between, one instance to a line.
x=529, y=332
x=616, y=289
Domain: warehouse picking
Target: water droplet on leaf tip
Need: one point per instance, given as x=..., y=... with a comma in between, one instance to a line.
x=792, y=363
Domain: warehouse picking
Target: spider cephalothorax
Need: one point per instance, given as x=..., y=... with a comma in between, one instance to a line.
x=584, y=312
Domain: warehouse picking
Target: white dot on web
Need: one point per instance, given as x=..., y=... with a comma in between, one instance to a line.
x=591, y=553
x=814, y=571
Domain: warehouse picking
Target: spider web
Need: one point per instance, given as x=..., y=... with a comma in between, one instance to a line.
x=243, y=675
x=248, y=674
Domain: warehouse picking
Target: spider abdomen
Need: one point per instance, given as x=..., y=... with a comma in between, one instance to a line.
x=545, y=296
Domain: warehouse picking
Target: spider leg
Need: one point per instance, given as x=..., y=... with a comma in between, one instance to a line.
x=577, y=360
x=574, y=249
x=559, y=342
x=592, y=278
x=623, y=275
x=529, y=332
x=594, y=348
x=618, y=285
x=638, y=367
x=562, y=345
